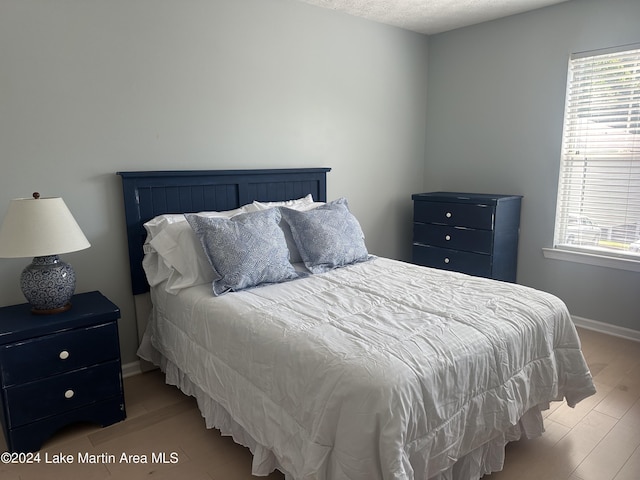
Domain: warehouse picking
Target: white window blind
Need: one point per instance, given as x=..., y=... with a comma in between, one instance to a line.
x=598, y=209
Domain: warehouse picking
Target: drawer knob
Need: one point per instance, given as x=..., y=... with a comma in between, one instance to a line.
x=448, y=215
x=69, y=394
x=64, y=355
x=447, y=237
x=446, y=260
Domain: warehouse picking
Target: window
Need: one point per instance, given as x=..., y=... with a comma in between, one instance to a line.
x=598, y=209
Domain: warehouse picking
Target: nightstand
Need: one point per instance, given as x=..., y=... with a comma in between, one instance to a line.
x=59, y=369
x=476, y=234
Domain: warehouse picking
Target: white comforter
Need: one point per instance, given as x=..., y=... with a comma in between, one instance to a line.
x=381, y=370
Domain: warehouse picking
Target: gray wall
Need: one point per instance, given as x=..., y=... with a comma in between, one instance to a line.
x=88, y=88
x=495, y=102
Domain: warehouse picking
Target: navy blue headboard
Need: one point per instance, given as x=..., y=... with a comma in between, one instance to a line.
x=148, y=194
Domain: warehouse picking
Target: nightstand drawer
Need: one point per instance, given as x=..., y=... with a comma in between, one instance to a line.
x=453, y=238
x=455, y=214
x=57, y=353
x=37, y=400
x=455, y=260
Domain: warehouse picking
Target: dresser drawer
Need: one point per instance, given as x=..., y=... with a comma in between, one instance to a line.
x=61, y=393
x=455, y=214
x=453, y=238
x=57, y=353
x=456, y=260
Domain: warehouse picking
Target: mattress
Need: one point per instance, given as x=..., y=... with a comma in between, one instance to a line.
x=379, y=370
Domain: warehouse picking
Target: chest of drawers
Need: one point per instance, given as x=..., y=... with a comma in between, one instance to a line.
x=475, y=234
x=59, y=369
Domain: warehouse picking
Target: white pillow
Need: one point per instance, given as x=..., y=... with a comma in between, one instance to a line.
x=181, y=252
x=174, y=253
x=308, y=199
x=155, y=269
x=157, y=224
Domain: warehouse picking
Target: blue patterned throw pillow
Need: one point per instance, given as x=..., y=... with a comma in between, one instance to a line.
x=245, y=251
x=327, y=237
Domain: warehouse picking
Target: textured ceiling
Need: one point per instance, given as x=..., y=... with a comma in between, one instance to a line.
x=432, y=16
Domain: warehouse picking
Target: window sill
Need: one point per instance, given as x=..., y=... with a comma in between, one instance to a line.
x=592, y=259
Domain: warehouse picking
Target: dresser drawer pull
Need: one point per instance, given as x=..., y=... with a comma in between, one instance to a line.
x=446, y=260
x=69, y=394
x=448, y=215
x=64, y=355
x=447, y=237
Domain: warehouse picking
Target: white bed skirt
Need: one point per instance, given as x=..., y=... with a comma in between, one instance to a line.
x=481, y=461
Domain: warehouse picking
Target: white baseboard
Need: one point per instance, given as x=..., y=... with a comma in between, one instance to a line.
x=607, y=328
x=136, y=368
x=131, y=369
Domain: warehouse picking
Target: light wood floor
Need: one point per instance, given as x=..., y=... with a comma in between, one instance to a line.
x=598, y=440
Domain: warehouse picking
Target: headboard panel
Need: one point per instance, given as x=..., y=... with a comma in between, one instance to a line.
x=153, y=193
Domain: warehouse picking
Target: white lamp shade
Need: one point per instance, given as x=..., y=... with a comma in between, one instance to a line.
x=36, y=227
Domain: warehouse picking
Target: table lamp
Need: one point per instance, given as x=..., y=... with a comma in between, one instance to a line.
x=43, y=228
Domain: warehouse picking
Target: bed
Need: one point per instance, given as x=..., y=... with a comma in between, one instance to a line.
x=362, y=370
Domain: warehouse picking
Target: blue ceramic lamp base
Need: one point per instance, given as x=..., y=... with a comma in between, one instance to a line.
x=48, y=284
